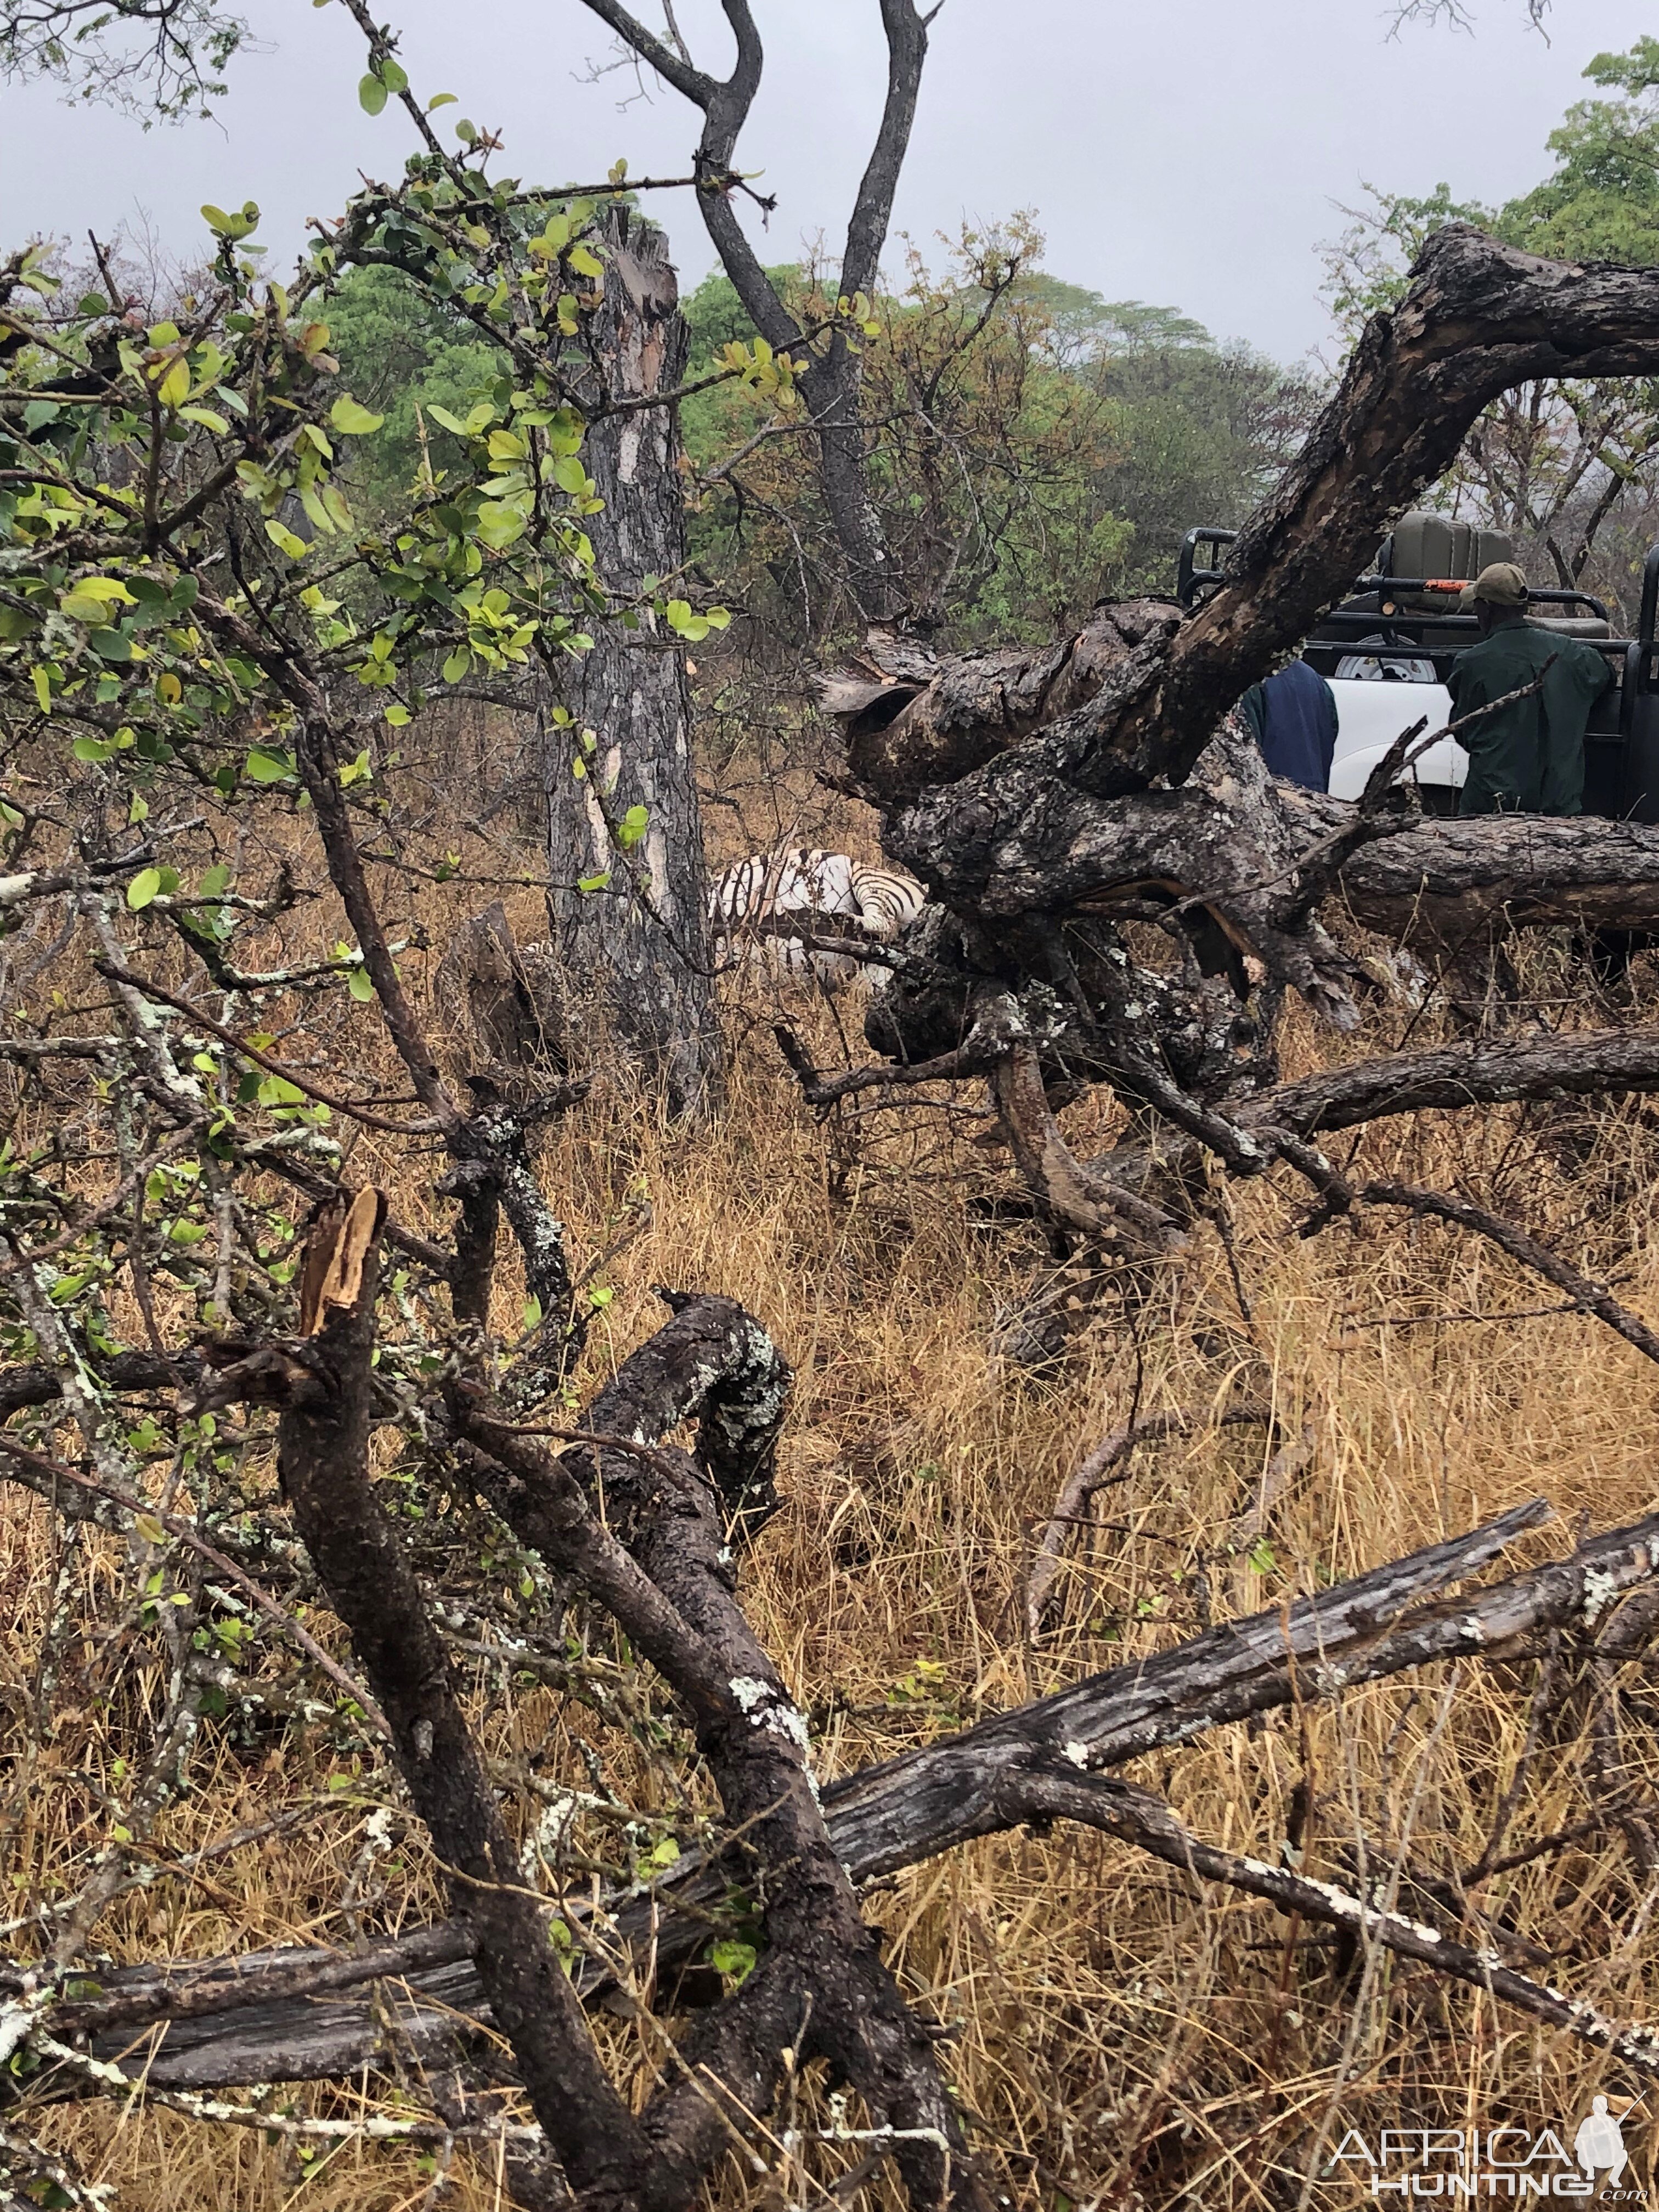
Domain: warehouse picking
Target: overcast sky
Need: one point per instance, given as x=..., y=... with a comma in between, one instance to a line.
x=1191, y=153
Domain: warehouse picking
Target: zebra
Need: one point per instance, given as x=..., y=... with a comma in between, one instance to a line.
x=807, y=880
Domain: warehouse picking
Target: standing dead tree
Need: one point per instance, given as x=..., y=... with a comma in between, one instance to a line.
x=629, y=928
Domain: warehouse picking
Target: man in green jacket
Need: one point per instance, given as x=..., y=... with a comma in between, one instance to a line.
x=1527, y=758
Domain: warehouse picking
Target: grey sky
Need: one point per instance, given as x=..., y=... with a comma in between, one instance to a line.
x=1187, y=152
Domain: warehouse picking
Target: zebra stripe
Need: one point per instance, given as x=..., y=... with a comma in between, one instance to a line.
x=806, y=879
x=887, y=902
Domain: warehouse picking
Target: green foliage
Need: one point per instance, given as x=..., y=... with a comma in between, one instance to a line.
x=1037, y=446
x=1201, y=432
x=406, y=355
x=1560, y=466
x=209, y=525
x=1603, y=203
x=1083, y=327
x=1366, y=270
x=716, y=319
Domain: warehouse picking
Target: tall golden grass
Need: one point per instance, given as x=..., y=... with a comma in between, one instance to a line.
x=1119, y=2035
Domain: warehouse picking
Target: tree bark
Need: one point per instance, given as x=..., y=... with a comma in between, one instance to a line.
x=1446, y=881
x=635, y=950
x=323, y=1461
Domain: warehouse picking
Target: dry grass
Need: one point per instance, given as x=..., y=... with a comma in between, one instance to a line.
x=1121, y=2035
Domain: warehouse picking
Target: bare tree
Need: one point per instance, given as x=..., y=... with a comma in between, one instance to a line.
x=830, y=376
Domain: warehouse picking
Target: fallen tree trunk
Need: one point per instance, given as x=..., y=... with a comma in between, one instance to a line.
x=1449, y=879
x=1479, y=318
x=258, y=2027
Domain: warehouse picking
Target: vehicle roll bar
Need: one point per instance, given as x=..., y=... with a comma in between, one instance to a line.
x=1190, y=579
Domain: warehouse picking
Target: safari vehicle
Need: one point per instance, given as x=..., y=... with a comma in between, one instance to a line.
x=1386, y=651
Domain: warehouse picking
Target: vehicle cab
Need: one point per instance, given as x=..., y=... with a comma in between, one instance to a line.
x=1386, y=651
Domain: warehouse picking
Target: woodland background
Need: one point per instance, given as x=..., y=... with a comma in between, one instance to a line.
x=1116, y=2032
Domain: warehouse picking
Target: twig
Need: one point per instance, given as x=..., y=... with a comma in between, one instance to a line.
x=1096, y=1471
x=1594, y=1298
x=187, y=1532
x=297, y=1077
x=1052, y=1792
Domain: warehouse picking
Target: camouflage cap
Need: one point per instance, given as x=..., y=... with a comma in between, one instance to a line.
x=1502, y=584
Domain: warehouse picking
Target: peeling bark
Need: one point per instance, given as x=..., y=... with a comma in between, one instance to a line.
x=634, y=954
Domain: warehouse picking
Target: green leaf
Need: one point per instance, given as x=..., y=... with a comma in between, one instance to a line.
x=371, y=94
x=393, y=76
x=233, y=227
x=277, y=1091
x=206, y=418
x=352, y=420
x=457, y=664
x=360, y=986
x=442, y=417
x=42, y=689
x=83, y=606
x=728, y=1956
x=149, y=1527
x=532, y=1312
x=440, y=100
x=143, y=889
x=286, y=540
x=320, y=517
x=570, y=475
x=466, y=133
x=632, y=827
x=265, y=767
x=593, y=883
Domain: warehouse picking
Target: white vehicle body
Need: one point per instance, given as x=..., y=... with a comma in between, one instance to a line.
x=1370, y=716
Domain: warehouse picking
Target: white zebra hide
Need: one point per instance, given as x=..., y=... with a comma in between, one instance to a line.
x=807, y=881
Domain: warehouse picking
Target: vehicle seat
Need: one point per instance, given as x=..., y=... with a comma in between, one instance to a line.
x=1586, y=626
x=1429, y=546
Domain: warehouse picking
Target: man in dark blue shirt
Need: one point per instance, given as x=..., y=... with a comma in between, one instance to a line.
x=1293, y=715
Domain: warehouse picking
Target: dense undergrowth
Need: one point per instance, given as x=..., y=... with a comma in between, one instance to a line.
x=1120, y=2035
